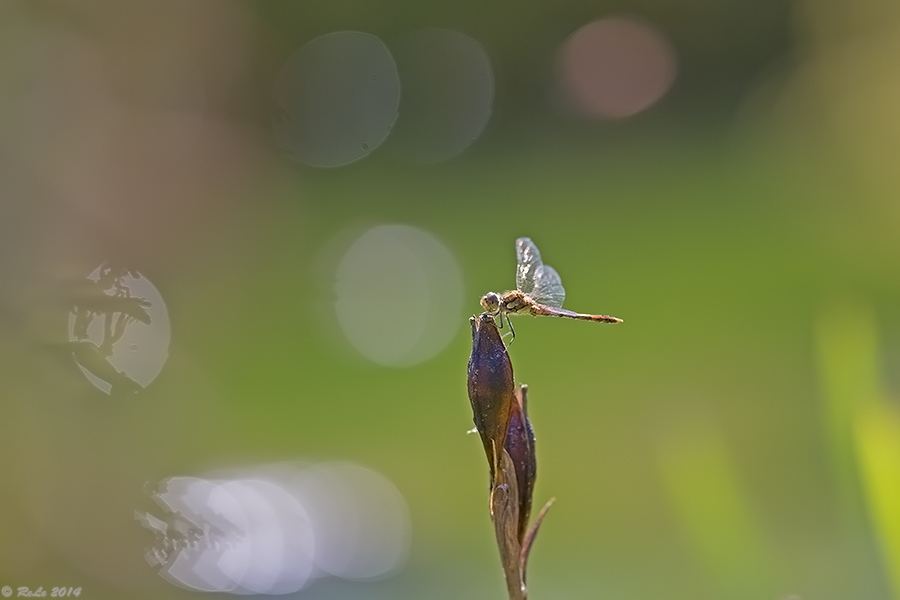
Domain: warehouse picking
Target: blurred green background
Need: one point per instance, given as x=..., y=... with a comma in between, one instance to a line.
x=737, y=437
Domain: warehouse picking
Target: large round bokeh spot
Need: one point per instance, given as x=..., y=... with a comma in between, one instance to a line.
x=399, y=295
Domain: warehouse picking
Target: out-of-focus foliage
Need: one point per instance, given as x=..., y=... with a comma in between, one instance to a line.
x=735, y=437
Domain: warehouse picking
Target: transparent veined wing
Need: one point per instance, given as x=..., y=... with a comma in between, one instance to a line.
x=548, y=288
x=529, y=261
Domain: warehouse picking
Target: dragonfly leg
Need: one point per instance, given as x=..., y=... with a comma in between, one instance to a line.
x=511, y=332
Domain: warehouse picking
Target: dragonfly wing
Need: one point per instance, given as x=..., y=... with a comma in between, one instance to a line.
x=548, y=288
x=529, y=261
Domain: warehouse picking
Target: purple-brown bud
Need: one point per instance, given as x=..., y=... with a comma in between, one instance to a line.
x=491, y=390
x=501, y=418
x=520, y=447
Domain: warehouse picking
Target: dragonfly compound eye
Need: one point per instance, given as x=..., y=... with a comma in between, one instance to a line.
x=491, y=302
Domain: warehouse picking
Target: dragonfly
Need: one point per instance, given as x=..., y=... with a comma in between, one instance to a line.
x=539, y=291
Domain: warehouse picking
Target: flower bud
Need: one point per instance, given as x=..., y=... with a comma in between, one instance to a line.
x=491, y=390
x=520, y=447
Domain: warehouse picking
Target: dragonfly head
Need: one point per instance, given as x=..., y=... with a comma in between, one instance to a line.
x=491, y=303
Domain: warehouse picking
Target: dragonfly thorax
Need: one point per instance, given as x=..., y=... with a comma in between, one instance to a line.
x=515, y=301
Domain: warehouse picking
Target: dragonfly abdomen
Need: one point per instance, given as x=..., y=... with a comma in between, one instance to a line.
x=550, y=311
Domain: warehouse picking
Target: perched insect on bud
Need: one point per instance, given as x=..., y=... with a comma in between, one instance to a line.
x=539, y=291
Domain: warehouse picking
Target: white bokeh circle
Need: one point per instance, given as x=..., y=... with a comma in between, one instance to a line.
x=398, y=295
x=119, y=329
x=274, y=529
